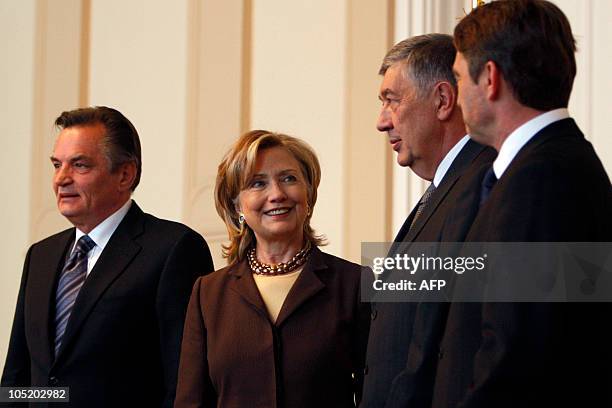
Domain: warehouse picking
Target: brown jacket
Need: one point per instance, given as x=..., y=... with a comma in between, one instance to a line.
x=234, y=356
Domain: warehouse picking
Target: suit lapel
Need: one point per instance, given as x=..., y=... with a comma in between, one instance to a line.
x=42, y=312
x=430, y=209
x=466, y=156
x=113, y=261
x=430, y=317
x=244, y=285
x=305, y=287
x=554, y=131
x=403, y=232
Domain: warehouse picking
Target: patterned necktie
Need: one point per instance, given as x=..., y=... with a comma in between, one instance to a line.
x=71, y=279
x=423, y=203
x=488, y=181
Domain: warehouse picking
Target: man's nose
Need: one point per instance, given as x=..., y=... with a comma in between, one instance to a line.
x=62, y=176
x=383, y=124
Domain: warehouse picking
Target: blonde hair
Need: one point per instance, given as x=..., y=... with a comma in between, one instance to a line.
x=236, y=169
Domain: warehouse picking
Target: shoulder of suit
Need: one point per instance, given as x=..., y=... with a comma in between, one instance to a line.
x=557, y=158
x=338, y=272
x=217, y=280
x=337, y=263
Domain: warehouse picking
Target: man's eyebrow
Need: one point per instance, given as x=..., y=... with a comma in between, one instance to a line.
x=386, y=92
x=72, y=159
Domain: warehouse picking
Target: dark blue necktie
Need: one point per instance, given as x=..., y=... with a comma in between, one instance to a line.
x=488, y=182
x=71, y=279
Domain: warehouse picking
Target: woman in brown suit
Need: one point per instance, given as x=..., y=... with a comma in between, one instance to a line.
x=283, y=324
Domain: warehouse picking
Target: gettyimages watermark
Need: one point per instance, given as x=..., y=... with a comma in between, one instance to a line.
x=487, y=272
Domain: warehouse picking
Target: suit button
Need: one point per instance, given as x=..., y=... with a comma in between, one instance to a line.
x=374, y=314
x=440, y=354
x=53, y=381
x=365, y=370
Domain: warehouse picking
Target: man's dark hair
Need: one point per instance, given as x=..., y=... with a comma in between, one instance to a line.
x=530, y=41
x=427, y=58
x=121, y=142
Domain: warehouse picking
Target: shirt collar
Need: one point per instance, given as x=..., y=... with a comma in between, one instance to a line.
x=448, y=160
x=102, y=233
x=523, y=134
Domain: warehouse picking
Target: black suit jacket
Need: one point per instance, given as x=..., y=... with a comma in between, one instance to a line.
x=122, y=342
x=526, y=354
x=403, y=341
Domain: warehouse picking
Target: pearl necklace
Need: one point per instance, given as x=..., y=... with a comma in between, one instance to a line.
x=261, y=268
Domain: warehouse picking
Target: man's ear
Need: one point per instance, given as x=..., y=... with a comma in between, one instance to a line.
x=445, y=99
x=492, y=77
x=127, y=172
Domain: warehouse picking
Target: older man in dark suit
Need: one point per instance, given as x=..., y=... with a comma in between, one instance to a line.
x=101, y=306
x=515, y=68
x=425, y=128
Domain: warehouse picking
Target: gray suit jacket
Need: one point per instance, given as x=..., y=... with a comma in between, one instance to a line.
x=403, y=341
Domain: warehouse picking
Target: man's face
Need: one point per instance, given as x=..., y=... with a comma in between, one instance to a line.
x=410, y=122
x=472, y=100
x=86, y=191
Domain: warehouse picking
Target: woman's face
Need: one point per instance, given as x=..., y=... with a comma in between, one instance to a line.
x=274, y=201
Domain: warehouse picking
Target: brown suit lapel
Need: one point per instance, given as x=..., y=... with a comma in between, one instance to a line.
x=306, y=286
x=244, y=285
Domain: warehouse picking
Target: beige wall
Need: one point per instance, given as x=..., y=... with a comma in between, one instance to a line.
x=298, y=87
x=17, y=22
x=314, y=76
x=138, y=64
x=589, y=103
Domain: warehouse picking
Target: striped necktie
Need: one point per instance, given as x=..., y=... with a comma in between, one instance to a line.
x=71, y=279
x=423, y=203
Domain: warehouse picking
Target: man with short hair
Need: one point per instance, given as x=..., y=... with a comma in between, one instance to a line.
x=515, y=68
x=425, y=128
x=101, y=306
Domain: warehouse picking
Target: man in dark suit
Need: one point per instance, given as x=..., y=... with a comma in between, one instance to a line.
x=101, y=306
x=425, y=128
x=515, y=68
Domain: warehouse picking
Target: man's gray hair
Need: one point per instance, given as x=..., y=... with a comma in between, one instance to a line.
x=427, y=59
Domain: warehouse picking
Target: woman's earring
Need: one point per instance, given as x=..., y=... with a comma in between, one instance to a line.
x=308, y=210
x=241, y=218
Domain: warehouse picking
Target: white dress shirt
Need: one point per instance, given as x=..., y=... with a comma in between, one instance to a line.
x=102, y=233
x=523, y=134
x=448, y=160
